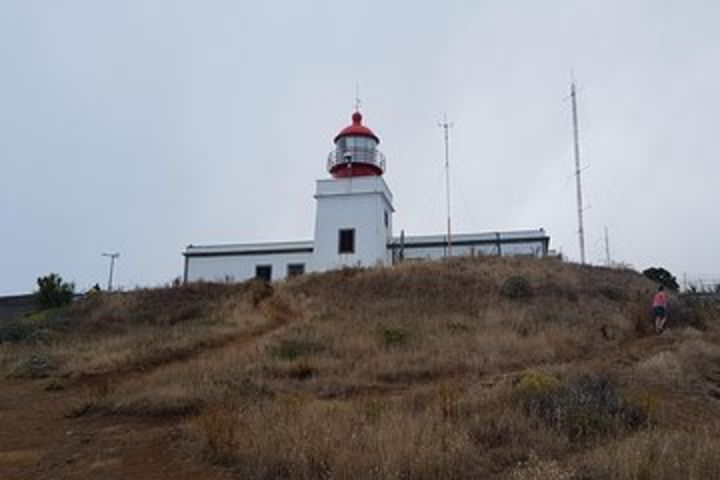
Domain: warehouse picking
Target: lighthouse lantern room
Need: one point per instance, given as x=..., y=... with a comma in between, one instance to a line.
x=356, y=152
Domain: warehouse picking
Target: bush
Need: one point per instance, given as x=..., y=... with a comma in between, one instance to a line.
x=689, y=311
x=15, y=331
x=534, y=383
x=582, y=408
x=516, y=287
x=33, y=328
x=395, y=336
x=53, y=292
x=662, y=276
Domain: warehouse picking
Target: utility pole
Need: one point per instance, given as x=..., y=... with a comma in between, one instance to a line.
x=112, y=257
x=446, y=127
x=581, y=231
x=608, y=259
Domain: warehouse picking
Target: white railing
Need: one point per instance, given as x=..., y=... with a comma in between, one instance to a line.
x=369, y=157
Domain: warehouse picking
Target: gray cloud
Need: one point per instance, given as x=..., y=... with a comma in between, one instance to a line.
x=143, y=126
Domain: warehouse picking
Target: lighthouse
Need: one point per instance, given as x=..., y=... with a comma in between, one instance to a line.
x=353, y=221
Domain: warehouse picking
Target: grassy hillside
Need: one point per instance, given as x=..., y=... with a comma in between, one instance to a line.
x=470, y=368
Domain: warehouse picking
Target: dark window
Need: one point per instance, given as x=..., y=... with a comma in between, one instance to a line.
x=295, y=269
x=346, y=240
x=387, y=219
x=263, y=272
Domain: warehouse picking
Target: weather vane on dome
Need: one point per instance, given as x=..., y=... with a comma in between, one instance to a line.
x=357, y=97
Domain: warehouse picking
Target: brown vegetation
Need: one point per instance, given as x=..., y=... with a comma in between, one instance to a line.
x=469, y=368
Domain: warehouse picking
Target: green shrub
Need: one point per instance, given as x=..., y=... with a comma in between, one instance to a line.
x=53, y=292
x=15, y=331
x=691, y=311
x=581, y=408
x=534, y=383
x=516, y=287
x=33, y=327
x=394, y=336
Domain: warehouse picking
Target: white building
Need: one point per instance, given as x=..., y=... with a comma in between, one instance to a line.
x=353, y=227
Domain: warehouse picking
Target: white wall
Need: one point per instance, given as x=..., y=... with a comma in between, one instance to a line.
x=359, y=203
x=241, y=267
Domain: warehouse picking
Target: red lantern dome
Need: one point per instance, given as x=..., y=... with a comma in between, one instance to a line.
x=356, y=153
x=356, y=129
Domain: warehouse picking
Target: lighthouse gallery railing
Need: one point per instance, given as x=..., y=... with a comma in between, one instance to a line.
x=342, y=157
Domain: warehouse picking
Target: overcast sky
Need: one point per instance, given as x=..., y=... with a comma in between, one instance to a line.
x=141, y=126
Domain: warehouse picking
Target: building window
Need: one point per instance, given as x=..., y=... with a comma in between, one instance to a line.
x=346, y=240
x=263, y=272
x=387, y=219
x=295, y=269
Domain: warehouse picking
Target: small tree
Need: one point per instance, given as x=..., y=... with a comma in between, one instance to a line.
x=53, y=291
x=662, y=276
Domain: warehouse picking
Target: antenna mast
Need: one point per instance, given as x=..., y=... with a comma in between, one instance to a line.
x=608, y=259
x=446, y=127
x=581, y=231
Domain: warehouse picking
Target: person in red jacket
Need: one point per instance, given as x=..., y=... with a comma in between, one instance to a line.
x=660, y=303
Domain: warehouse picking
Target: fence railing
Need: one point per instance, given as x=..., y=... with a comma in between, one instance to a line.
x=700, y=284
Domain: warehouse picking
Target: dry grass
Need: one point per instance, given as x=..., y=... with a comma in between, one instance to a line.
x=658, y=455
x=685, y=366
x=425, y=434
x=106, y=333
x=664, y=367
x=289, y=437
x=424, y=370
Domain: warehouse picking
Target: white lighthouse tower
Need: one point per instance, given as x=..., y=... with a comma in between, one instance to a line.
x=353, y=223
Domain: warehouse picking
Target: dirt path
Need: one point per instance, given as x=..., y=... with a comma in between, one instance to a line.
x=37, y=441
